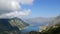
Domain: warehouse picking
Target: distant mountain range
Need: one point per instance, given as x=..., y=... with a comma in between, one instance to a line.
x=39, y=21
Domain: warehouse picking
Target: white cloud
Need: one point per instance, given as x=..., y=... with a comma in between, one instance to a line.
x=26, y=1
x=13, y=8
x=15, y=14
x=9, y=5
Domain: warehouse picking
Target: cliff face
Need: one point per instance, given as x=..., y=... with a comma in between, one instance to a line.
x=18, y=23
x=4, y=24
x=5, y=27
x=12, y=26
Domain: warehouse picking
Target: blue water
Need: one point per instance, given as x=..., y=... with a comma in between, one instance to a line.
x=30, y=28
x=34, y=27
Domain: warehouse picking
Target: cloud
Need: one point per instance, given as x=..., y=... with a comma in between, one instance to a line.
x=26, y=1
x=15, y=14
x=13, y=8
x=9, y=5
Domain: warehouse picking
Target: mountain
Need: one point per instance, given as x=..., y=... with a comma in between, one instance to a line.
x=4, y=24
x=6, y=28
x=39, y=21
x=12, y=25
x=54, y=28
x=19, y=23
x=56, y=20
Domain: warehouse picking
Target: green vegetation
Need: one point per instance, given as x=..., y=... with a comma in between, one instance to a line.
x=55, y=29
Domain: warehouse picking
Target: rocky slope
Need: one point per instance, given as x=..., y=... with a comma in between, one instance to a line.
x=12, y=26
x=54, y=28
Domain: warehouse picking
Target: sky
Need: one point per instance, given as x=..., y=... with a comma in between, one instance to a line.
x=29, y=8
x=44, y=8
